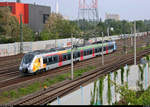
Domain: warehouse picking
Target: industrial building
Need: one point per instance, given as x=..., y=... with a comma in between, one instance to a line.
x=33, y=15
x=112, y=16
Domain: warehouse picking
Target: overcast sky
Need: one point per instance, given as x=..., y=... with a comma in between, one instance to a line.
x=127, y=9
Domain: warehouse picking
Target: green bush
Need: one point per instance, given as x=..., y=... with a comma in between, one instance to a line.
x=22, y=91
x=5, y=94
x=13, y=94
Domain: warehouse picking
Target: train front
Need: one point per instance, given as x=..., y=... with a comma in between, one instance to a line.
x=26, y=64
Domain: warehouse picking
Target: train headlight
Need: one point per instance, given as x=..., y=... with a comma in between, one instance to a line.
x=30, y=69
x=20, y=68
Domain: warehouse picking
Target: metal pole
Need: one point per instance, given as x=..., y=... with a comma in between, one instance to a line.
x=71, y=56
x=135, y=43
x=55, y=42
x=108, y=31
x=21, y=35
x=102, y=50
x=124, y=43
x=131, y=38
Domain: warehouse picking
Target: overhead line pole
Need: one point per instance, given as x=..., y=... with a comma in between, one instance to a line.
x=21, y=35
x=131, y=37
x=102, y=50
x=72, y=56
x=135, y=43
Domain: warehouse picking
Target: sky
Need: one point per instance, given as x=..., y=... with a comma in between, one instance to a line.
x=127, y=9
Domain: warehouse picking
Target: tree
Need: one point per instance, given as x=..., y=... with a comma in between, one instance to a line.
x=9, y=25
x=10, y=28
x=28, y=34
x=57, y=27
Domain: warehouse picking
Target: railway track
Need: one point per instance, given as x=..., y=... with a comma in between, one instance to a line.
x=78, y=65
x=10, y=73
x=16, y=78
x=11, y=57
x=50, y=95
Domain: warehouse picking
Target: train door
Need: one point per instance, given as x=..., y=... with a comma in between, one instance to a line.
x=81, y=55
x=60, y=60
x=41, y=62
x=106, y=49
x=44, y=62
x=93, y=54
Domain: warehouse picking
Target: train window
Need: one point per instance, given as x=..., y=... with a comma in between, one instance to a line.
x=111, y=47
x=69, y=56
x=55, y=59
x=28, y=58
x=74, y=55
x=104, y=48
x=64, y=57
x=78, y=54
x=45, y=60
x=91, y=51
x=88, y=52
x=85, y=53
x=100, y=49
x=96, y=50
x=50, y=60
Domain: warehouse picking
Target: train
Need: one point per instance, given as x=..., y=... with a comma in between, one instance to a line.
x=44, y=60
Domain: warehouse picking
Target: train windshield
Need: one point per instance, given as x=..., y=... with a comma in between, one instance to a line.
x=28, y=58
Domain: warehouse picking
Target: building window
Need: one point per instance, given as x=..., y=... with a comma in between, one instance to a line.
x=45, y=17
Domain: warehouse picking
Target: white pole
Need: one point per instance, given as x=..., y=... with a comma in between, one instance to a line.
x=131, y=38
x=135, y=43
x=108, y=31
x=102, y=50
x=71, y=57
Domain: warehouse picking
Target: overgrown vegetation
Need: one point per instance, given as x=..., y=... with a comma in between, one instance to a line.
x=101, y=87
x=122, y=75
x=97, y=92
x=131, y=97
x=109, y=96
x=128, y=96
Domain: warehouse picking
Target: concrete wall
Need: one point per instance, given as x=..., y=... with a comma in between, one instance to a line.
x=36, y=16
x=14, y=48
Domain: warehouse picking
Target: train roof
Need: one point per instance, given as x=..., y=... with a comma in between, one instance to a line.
x=37, y=52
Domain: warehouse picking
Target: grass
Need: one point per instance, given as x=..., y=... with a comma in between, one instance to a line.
x=8, y=96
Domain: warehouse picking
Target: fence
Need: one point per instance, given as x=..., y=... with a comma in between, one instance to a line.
x=14, y=48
